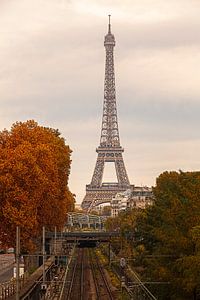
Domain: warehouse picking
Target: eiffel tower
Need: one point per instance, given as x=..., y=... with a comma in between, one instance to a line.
x=110, y=149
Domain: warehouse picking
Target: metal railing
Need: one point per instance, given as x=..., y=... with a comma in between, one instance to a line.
x=8, y=288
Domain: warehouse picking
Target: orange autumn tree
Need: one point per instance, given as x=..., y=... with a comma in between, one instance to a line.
x=34, y=171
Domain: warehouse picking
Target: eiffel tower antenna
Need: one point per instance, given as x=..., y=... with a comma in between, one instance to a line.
x=109, y=149
x=109, y=25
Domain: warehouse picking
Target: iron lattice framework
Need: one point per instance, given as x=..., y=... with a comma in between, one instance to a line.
x=109, y=149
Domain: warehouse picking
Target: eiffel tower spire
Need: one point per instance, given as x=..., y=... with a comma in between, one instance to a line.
x=109, y=149
x=109, y=131
x=109, y=24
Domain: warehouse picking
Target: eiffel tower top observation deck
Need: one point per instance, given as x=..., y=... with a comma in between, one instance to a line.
x=109, y=149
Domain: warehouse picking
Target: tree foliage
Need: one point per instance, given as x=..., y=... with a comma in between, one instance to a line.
x=34, y=171
x=166, y=245
x=170, y=232
x=125, y=223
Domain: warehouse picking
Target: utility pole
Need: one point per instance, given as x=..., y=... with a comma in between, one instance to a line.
x=55, y=241
x=55, y=246
x=17, y=261
x=43, y=285
x=109, y=249
x=43, y=253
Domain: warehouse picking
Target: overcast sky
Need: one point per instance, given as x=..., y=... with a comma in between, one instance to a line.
x=52, y=70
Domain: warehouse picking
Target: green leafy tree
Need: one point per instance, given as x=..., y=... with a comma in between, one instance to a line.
x=164, y=239
x=170, y=233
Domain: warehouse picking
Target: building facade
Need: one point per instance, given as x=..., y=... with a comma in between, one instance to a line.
x=139, y=197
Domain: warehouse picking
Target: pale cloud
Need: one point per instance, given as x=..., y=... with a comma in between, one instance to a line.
x=173, y=74
x=52, y=70
x=145, y=11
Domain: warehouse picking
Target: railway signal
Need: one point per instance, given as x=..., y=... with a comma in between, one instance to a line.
x=122, y=262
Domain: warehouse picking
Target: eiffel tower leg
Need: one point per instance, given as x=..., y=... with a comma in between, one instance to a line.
x=98, y=172
x=121, y=172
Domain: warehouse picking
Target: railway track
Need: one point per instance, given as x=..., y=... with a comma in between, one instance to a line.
x=76, y=284
x=86, y=279
x=103, y=290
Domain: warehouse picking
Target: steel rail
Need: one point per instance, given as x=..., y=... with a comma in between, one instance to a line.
x=72, y=280
x=66, y=272
x=82, y=275
x=94, y=276
x=74, y=274
x=105, y=281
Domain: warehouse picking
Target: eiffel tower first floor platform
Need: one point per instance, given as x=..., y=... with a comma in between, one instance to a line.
x=103, y=194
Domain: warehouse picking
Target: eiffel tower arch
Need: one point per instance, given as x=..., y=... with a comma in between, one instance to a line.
x=109, y=149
